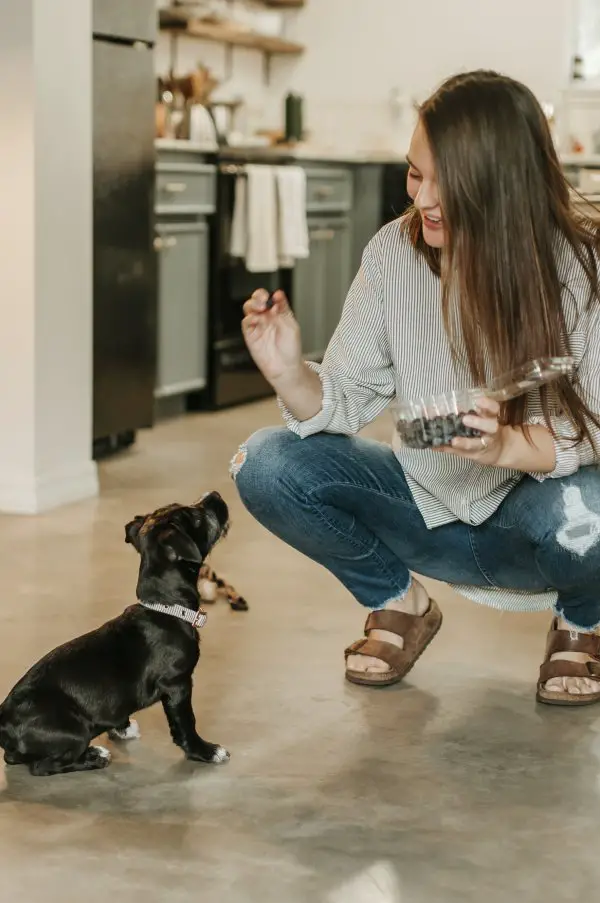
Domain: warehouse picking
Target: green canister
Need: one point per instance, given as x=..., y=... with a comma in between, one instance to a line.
x=293, y=118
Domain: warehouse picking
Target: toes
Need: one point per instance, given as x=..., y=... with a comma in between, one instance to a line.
x=366, y=663
x=220, y=755
x=575, y=686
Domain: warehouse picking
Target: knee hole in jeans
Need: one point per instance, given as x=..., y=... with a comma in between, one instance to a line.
x=238, y=460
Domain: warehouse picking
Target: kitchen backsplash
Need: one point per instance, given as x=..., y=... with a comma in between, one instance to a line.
x=365, y=62
x=355, y=125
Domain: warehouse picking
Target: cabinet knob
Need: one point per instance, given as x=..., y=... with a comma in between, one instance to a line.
x=162, y=243
x=322, y=235
x=175, y=187
x=324, y=191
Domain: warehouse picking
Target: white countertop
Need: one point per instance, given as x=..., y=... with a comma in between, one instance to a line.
x=174, y=144
x=287, y=152
x=326, y=154
x=580, y=159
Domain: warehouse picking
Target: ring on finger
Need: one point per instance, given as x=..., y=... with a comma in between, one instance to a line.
x=484, y=443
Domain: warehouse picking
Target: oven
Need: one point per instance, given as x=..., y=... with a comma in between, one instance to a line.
x=233, y=376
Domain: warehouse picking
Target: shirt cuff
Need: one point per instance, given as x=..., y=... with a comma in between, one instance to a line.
x=567, y=457
x=320, y=422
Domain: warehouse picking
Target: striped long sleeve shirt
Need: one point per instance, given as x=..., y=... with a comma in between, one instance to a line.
x=391, y=342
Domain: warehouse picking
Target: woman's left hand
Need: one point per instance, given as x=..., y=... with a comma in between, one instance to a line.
x=489, y=448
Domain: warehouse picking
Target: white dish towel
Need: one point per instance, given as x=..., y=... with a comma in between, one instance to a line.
x=254, y=234
x=292, y=223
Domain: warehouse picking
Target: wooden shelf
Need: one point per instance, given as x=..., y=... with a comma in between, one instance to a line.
x=232, y=37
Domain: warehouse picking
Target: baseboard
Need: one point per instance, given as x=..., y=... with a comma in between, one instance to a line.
x=49, y=490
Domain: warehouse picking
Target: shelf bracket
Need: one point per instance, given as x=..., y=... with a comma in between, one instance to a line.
x=173, y=47
x=228, y=61
x=267, y=58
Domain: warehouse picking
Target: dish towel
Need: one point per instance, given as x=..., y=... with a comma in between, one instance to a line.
x=254, y=223
x=292, y=222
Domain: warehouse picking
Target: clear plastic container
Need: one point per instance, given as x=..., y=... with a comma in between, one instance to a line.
x=434, y=421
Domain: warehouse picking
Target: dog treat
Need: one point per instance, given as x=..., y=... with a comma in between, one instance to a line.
x=436, y=420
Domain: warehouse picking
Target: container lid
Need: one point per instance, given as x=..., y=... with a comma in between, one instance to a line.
x=533, y=375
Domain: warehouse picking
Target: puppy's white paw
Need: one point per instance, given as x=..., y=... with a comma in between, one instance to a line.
x=102, y=751
x=221, y=755
x=132, y=732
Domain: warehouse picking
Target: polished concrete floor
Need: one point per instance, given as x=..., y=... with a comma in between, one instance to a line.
x=453, y=787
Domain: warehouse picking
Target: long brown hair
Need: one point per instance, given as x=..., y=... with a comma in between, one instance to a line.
x=505, y=204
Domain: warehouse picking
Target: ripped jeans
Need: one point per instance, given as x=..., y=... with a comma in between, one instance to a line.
x=344, y=502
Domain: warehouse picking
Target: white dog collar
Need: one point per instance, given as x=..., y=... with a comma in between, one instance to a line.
x=196, y=618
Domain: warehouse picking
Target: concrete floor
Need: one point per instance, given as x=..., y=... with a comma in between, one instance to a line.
x=453, y=787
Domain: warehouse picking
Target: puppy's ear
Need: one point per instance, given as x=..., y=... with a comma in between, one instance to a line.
x=132, y=531
x=179, y=546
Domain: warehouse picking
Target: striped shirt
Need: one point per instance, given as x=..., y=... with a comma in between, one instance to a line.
x=391, y=342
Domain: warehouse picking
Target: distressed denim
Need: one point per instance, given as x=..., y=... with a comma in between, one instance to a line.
x=344, y=502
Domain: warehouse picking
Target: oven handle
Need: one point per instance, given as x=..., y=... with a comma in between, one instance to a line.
x=232, y=169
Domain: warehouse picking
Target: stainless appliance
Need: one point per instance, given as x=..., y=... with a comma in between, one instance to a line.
x=124, y=261
x=233, y=376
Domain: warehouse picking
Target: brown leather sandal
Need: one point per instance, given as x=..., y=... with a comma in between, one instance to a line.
x=417, y=633
x=569, y=641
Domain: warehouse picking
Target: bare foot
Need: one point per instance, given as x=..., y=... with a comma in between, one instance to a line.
x=576, y=686
x=416, y=602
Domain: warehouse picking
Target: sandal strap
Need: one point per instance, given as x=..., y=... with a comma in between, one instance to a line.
x=397, y=659
x=412, y=628
x=393, y=621
x=568, y=641
x=561, y=668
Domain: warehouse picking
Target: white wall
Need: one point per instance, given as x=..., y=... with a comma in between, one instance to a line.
x=359, y=50
x=46, y=260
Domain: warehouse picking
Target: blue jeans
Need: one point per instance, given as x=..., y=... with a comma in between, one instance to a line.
x=345, y=503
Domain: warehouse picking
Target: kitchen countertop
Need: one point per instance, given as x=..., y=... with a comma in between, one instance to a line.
x=580, y=159
x=321, y=154
x=197, y=147
x=309, y=152
x=283, y=152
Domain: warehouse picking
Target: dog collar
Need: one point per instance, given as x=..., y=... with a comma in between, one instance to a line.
x=196, y=618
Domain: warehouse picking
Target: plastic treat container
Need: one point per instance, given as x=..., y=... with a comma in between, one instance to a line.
x=436, y=420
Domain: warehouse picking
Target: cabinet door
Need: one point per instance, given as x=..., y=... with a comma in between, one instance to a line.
x=337, y=241
x=182, y=307
x=309, y=296
x=321, y=283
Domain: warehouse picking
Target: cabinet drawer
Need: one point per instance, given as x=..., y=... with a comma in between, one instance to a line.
x=328, y=190
x=185, y=188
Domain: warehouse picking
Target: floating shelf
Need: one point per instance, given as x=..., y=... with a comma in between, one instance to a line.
x=232, y=37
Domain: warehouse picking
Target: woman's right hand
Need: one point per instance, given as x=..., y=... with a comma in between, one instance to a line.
x=272, y=335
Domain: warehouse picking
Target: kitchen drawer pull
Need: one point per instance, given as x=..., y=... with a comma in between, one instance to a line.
x=324, y=191
x=322, y=235
x=175, y=187
x=162, y=244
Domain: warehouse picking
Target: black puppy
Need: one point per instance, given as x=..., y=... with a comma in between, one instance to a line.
x=146, y=655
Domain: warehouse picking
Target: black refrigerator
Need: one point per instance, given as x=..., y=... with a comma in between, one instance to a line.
x=125, y=280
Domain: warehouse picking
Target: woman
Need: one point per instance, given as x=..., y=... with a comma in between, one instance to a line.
x=490, y=269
